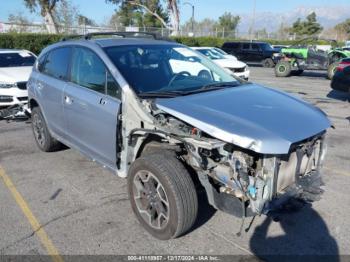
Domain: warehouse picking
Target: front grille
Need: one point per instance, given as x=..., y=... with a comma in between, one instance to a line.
x=22, y=85
x=238, y=70
x=23, y=98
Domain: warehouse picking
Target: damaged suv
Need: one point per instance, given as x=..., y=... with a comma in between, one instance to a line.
x=127, y=103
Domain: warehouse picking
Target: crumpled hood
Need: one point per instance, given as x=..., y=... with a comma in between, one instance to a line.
x=15, y=74
x=250, y=116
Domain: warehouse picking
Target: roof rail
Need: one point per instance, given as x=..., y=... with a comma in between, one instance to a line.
x=69, y=37
x=123, y=34
x=89, y=36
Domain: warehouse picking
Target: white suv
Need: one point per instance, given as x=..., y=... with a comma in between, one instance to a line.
x=15, y=69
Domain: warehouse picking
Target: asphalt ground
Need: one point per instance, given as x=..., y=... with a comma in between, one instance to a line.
x=62, y=203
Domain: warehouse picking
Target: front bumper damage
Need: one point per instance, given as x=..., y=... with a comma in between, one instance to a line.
x=244, y=183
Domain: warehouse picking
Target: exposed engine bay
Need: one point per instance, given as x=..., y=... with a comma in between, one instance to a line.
x=237, y=180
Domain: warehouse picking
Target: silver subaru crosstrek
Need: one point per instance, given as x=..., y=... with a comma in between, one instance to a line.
x=137, y=106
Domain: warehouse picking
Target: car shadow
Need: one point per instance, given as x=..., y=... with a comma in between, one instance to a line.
x=343, y=96
x=315, y=74
x=251, y=64
x=306, y=237
x=205, y=210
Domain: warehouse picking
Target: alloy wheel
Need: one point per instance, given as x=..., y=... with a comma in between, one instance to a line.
x=151, y=200
x=38, y=128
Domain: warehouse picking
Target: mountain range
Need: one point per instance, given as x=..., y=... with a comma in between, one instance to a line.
x=327, y=16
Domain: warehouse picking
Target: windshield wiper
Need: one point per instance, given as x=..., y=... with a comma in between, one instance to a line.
x=159, y=94
x=210, y=87
x=174, y=93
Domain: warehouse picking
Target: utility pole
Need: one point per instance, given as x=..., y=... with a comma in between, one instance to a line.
x=253, y=22
x=192, y=18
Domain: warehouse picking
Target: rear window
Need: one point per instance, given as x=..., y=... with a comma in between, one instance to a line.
x=22, y=58
x=255, y=47
x=56, y=63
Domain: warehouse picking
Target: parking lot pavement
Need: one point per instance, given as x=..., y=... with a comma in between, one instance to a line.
x=84, y=209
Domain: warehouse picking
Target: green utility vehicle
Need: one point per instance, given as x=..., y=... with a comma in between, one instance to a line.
x=297, y=58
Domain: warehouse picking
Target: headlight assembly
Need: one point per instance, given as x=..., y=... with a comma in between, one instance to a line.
x=7, y=85
x=6, y=99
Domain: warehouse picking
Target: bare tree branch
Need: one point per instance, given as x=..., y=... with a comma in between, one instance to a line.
x=151, y=12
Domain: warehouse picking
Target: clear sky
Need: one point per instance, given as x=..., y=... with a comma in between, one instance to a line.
x=99, y=10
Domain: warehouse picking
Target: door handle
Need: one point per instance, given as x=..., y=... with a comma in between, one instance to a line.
x=68, y=100
x=103, y=101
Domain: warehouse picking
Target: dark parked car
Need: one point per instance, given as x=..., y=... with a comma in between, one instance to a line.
x=253, y=52
x=341, y=78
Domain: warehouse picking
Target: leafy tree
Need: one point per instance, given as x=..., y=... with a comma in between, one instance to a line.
x=310, y=26
x=127, y=14
x=228, y=24
x=83, y=20
x=140, y=12
x=150, y=20
x=115, y=22
x=47, y=8
x=343, y=28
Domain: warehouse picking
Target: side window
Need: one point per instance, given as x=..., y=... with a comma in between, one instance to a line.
x=246, y=46
x=113, y=89
x=234, y=46
x=56, y=63
x=88, y=70
x=255, y=47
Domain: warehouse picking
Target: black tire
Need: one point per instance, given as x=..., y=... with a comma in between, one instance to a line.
x=42, y=135
x=268, y=63
x=331, y=70
x=177, y=188
x=283, y=69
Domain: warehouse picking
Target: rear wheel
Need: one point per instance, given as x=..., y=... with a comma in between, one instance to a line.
x=42, y=135
x=268, y=63
x=283, y=69
x=162, y=194
x=331, y=70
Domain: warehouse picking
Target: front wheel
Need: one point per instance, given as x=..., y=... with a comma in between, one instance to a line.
x=283, y=69
x=162, y=195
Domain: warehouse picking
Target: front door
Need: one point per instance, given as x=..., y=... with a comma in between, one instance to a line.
x=91, y=108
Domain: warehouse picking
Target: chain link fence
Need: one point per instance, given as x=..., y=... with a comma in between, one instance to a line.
x=6, y=27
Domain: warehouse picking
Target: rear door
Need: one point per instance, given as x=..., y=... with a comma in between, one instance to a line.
x=256, y=53
x=49, y=87
x=245, y=52
x=91, y=106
